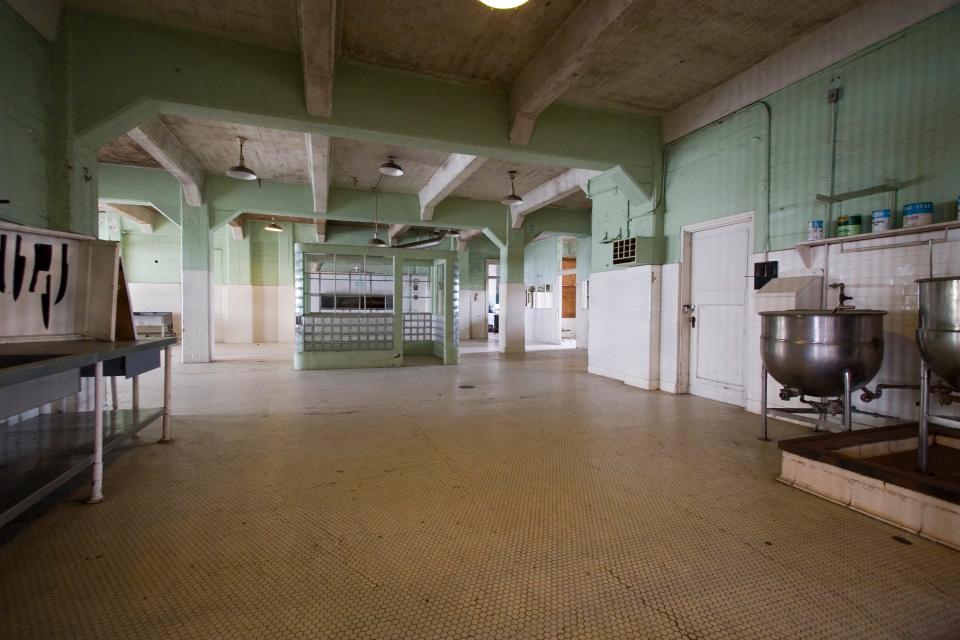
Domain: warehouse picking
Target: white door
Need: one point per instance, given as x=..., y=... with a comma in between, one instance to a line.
x=719, y=260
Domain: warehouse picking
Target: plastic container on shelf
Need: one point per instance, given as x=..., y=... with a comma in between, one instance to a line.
x=815, y=230
x=848, y=225
x=917, y=214
x=881, y=220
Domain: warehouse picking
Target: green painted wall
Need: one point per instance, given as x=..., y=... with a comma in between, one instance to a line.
x=898, y=118
x=137, y=185
x=27, y=76
x=151, y=257
x=541, y=262
x=473, y=263
x=622, y=208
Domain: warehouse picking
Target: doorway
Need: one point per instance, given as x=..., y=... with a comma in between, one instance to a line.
x=493, y=299
x=568, y=291
x=713, y=321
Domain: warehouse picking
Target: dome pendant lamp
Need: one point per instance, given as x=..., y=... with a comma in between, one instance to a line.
x=240, y=171
x=273, y=226
x=391, y=168
x=513, y=198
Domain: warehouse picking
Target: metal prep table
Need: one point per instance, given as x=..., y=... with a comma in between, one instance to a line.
x=40, y=454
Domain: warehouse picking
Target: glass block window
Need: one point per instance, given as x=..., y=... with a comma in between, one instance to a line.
x=356, y=332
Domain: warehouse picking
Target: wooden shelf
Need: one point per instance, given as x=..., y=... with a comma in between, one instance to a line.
x=887, y=187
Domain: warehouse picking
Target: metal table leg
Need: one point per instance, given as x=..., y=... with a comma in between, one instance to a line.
x=763, y=403
x=135, y=402
x=847, y=399
x=114, y=401
x=924, y=417
x=167, y=378
x=96, y=487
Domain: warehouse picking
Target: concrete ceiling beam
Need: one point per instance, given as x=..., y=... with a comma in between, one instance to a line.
x=396, y=229
x=318, y=166
x=236, y=227
x=318, y=47
x=157, y=140
x=320, y=228
x=144, y=216
x=566, y=56
x=454, y=172
x=551, y=191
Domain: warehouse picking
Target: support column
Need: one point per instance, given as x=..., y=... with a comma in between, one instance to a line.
x=196, y=283
x=512, y=294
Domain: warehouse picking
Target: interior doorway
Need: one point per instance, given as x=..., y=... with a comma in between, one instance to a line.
x=493, y=299
x=568, y=290
x=713, y=320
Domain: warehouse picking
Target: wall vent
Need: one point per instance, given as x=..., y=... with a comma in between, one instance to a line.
x=625, y=251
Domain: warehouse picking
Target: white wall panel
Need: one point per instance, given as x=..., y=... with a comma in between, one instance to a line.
x=624, y=340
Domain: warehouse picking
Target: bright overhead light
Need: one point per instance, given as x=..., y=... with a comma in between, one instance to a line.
x=513, y=198
x=503, y=4
x=273, y=226
x=240, y=171
x=391, y=168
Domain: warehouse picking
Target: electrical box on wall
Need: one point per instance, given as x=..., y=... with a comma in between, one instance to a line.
x=764, y=272
x=638, y=250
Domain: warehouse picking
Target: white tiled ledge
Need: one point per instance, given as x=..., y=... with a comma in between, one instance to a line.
x=940, y=226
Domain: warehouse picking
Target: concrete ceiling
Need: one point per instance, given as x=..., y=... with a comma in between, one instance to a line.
x=675, y=53
x=282, y=156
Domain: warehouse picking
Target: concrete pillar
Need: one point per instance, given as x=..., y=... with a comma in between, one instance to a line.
x=512, y=294
x=196, y=283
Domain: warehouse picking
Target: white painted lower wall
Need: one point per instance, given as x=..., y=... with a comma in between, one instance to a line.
x=625, y=325
x=197, y=330
x=248, y=314
x=512, y=319
x=149, y=296
x=473, y=314
x=542, y=325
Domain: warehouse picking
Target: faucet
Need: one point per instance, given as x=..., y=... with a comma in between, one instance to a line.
x=843, y=297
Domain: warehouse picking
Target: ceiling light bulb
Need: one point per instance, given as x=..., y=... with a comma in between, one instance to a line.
x=503, y=4
x=391, y=168
x=240, y=171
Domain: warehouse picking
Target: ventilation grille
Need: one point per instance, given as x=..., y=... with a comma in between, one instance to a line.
x=625, y=251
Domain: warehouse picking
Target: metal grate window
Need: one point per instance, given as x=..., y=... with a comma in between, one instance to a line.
x=625, y=251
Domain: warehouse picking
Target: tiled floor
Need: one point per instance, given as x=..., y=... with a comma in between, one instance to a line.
x=505, y=498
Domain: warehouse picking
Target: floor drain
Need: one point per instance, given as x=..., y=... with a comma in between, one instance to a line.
x=901, y=540
x=466, y=386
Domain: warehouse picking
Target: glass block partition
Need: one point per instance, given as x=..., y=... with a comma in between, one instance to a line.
x=363, y=307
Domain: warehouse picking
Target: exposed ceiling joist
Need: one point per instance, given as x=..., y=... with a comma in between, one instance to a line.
x=318, y=165
x=318, y=46
x=567, y=55
x=320, y=228
x=457, y=168
x=236, y=228
x=466, y=236
x=144, y=216
x=157, y=140
x=551, y=191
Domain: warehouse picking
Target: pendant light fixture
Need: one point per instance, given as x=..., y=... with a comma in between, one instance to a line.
x=391, y=168
x=503, y=4
x=375, y=241
x=273, y=226
x=240, y=171
x=513, y=198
